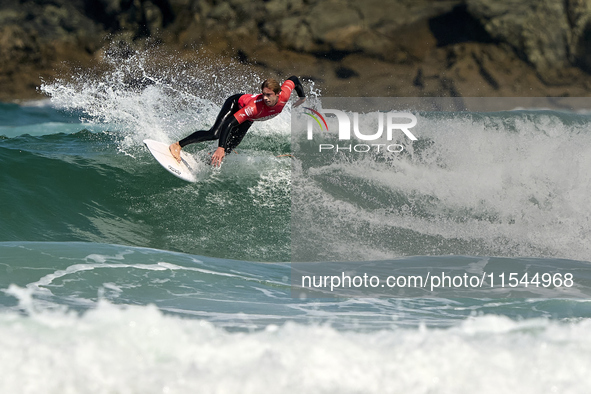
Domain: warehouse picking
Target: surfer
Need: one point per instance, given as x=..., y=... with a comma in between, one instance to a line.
x=237, y=115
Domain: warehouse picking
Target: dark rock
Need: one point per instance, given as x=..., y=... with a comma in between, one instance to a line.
x=579, y=19
x=458, y=26
x=374, y=47
x=345, y=73
x=537, y=30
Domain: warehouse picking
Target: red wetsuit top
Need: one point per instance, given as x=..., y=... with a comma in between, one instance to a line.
x=253, y=107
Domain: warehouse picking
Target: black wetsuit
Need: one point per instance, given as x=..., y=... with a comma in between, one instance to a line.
x=226, y=127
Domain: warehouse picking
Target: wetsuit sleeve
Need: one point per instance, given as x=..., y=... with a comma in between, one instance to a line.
x=298, y=86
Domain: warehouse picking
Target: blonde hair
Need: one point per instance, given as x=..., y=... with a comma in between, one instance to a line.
x=272, y=84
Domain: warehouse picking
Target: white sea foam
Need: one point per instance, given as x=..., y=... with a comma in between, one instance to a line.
x=499, y=183
x=139, y=350
x=139, y=96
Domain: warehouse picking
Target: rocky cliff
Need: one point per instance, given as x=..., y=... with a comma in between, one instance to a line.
x=349, y=48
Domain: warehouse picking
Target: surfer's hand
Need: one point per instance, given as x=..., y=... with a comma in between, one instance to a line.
x=299, y=102
x=218, y=155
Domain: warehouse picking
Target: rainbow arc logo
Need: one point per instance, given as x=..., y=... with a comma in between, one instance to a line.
x=316, y=118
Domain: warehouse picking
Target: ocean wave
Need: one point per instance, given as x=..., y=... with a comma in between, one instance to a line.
x=106, y=349
x=186, y=323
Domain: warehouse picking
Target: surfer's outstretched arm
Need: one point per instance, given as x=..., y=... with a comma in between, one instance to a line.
x=299, y=88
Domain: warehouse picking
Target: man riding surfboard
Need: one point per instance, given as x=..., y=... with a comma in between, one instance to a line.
x=237, y=115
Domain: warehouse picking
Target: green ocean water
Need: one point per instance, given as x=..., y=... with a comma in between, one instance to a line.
x=78, y=187
x=117, y=277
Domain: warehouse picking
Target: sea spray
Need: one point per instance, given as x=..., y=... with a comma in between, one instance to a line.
x=508, y=183
x=140, y=349
x=155, y=94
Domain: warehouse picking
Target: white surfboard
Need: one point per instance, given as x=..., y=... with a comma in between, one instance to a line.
x=183, y=170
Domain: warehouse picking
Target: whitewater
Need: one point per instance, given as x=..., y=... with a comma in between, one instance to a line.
x=120, y=278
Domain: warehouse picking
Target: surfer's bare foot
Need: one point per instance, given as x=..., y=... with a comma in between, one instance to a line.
x=175, y=151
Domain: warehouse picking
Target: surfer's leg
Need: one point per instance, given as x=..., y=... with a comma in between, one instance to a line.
x=228, y=110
